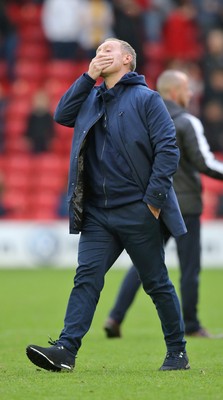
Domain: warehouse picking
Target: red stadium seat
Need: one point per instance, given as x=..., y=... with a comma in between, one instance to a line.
x=61, y=69
x=52, y=182
x=18, y=109
x=13, y=11
x=32, y=34
x=3, y=71
x=47, y=162
x=33, y=51
x=21, y=89
x=30, y=70
x=65, y=70
x=209, y=206
x=61, y=146
x=16, y=201
x=55, y=88
x=43, y=214
x=212, y=188
x=15, y=128
x=16, y=163
x=16, y=145
x=43, y=205
x=2, y=162
x=155, y=51
x=18, y=181
x=30, y=14
x=212, y=185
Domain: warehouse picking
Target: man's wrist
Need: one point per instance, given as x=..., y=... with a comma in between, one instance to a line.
x=89, y=77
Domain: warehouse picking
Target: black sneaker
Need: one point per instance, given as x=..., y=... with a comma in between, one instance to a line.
x=55, y=358
x=112, y=329
x=174, y=361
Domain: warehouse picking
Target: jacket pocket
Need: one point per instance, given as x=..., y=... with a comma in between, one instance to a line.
x=150, y=212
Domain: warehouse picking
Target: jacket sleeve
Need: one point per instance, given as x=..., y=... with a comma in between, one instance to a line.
x=166, y=153
x=70, y=103
x=197, y=149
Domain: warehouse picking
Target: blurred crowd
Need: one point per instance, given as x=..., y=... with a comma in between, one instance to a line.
x=46, y=44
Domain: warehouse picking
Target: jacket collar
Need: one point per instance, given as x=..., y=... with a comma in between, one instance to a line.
x=129, y=79
x=173, y=108
x=109, y=94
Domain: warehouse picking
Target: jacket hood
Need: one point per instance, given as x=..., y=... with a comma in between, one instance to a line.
x=174, y=109
x=131, y=78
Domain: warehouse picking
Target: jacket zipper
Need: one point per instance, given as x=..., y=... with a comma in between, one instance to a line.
x=82, y=143
x=102, y=153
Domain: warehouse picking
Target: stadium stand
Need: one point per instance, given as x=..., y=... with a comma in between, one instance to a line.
x=34, y=182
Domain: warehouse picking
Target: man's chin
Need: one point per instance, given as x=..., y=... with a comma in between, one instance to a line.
x=104, y=74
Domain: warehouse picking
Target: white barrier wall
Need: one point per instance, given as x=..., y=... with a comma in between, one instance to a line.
x=35, y=244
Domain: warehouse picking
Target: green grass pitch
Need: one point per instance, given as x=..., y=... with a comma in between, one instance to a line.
x=33, y=304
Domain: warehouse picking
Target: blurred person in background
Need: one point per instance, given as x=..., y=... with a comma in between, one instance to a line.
x=214, y=87
x=196, y=157
x=212, y=119
x=210, y=14
x=195, y=74
x=181, y=33
x=8, y=40
x=96, y=25
x=213, y=56
x=40, y=125
x=212, y=108
x=154, y=16
x=62, y=24
x=129, y=26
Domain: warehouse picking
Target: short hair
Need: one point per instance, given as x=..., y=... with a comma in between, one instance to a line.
x=126, y=48
x=168, y=79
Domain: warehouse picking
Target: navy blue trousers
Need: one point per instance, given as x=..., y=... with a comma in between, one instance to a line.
x=105, y=233
x=188, y=249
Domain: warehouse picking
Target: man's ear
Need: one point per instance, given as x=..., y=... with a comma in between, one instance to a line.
x=127, y=59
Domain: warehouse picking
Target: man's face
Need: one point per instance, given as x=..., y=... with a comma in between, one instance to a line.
x=114, y=49
x=184, y=92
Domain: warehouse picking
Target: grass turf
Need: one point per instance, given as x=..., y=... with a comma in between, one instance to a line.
x=33, y=303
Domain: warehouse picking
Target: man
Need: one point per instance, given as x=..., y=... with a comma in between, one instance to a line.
x=195, y=157
x=120, y=191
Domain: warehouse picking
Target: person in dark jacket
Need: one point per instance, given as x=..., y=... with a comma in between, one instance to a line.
x=123, y=158
x=40, y=125
x=8, y=40
x=196, y=158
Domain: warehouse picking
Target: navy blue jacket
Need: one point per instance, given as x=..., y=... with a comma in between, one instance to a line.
x=145, y=135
